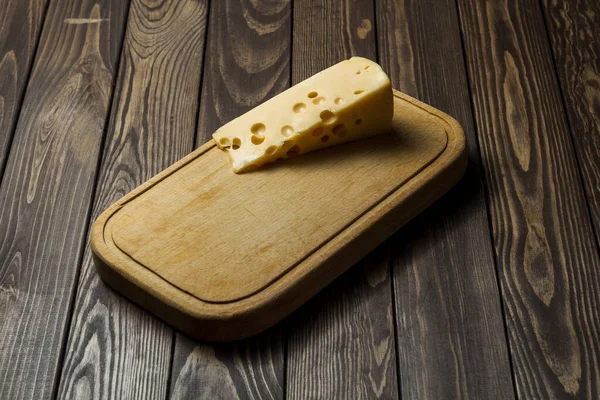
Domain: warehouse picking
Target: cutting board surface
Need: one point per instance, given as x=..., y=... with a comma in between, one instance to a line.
x=223, y=255
x=222, y=236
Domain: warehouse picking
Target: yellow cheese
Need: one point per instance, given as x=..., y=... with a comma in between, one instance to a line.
x=348, y=101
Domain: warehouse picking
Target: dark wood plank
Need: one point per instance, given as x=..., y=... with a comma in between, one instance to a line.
x=545, y=249
x=249, y=369
x=574, y=28
x=247, y=62
x=451, y=340
x=20, y=24
x=341, y=343
x=116, y=350
x=47, y=189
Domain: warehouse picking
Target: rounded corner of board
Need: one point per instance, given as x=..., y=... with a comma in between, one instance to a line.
x=455, y=153
x=97, y=240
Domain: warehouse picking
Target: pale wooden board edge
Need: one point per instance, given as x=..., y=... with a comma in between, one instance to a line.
x=243, y=318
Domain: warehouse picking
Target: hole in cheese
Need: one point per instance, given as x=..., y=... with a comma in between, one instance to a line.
x=358, y=91
x=327, y=116
x=257, y=139
x=299, y=108
x=358, y=72
x=324, y=138
x=312, y=95
x=271, y=150
x=258, y=129
x=339, y=101
x=319, y=100
x=293, y=152
x=318, y=131
x=225, y=142
x=337, y=128
x=237, y=142
x=287, y=131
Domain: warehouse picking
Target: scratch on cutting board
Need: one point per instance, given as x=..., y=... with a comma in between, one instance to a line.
x=81, y=21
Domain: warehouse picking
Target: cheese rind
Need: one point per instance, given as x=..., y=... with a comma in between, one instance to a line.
x=348, y=101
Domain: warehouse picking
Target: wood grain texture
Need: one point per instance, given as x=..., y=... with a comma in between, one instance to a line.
x=46, y=193
x=20, y=25
x=249, y=369
x=247, y=62
x=116, y=350
x=545, y=248
x=341, y=343
x=574, y=28
x=352, y=319
x=451, y=340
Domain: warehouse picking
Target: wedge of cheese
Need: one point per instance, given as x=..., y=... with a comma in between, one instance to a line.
x=348, y=101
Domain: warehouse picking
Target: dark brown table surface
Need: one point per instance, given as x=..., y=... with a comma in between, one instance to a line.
x=492, y=293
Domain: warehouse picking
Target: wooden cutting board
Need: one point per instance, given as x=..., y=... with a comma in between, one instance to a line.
x=222, y=256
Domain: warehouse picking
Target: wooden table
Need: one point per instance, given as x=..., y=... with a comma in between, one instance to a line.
x=491, y=293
